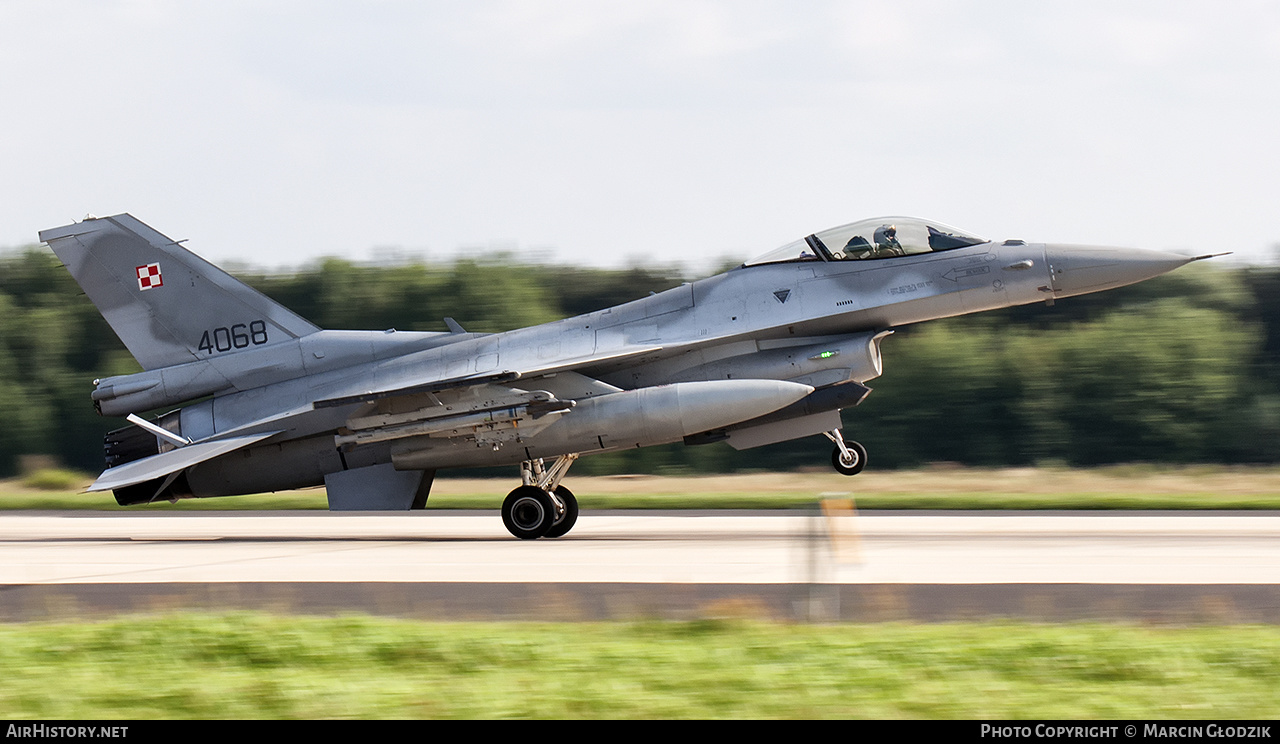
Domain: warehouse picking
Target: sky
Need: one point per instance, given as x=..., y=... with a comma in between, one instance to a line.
x=638, y=132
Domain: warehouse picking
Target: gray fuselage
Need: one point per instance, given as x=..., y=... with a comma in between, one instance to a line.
x=716, y=328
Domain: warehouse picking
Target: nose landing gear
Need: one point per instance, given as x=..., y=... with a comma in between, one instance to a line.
x=541, y=507
x=849, y=457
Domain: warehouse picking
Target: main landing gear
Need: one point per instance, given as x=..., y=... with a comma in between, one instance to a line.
x=541, y=507
x=849, y=457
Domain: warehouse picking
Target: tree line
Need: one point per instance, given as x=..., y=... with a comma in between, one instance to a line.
x=1183, y=368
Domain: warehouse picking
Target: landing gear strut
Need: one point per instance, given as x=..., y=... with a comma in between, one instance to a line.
x=541, y=507
x=849, y=457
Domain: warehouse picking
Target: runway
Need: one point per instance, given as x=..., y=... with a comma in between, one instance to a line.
x=1182, y=567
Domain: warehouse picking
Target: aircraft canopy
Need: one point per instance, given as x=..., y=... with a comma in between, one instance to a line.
x=881, y=237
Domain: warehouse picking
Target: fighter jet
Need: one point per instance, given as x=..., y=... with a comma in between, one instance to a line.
x=767, y=352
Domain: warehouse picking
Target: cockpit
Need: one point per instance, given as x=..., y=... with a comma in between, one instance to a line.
x=883, y=237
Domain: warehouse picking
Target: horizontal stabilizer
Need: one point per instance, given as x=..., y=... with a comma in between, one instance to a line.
x=158, y=466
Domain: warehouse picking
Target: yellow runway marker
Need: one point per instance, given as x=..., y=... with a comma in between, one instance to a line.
x=842, y=529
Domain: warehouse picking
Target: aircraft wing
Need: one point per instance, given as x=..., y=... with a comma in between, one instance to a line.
x=490, y=404
x=491, y=408
x=437, y=386
x=166, y=463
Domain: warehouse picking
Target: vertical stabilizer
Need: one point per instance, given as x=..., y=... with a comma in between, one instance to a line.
x=167, y=305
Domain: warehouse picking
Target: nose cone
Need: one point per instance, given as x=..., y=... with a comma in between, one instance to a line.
x=1081, y=269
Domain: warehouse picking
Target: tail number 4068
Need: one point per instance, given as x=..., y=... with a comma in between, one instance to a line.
x=238, y=336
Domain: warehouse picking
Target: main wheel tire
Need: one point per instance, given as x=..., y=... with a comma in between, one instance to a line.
x=528, y=512
x=570, y=517
x=853, y=464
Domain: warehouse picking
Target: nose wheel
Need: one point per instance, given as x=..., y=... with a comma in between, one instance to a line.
x=849, y=457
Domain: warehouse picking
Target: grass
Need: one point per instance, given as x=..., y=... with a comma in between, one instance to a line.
x=242, y=665
x=52, y=479
x=1117, y=487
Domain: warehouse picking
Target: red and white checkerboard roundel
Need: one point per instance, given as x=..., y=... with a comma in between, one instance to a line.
x=149, y=276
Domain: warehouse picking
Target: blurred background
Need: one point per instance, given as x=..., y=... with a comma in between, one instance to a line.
x=1180, y=369
x=508, y=162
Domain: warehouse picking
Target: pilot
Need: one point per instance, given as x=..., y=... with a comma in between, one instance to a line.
x=886, y=237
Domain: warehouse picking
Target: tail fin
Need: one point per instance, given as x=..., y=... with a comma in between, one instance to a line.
x=167, y=305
